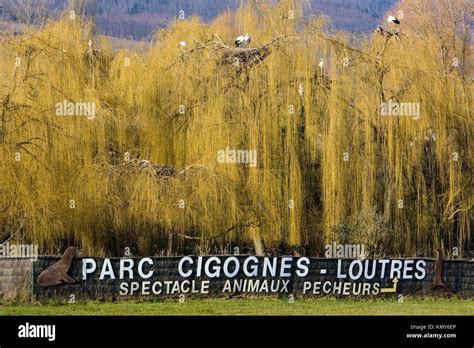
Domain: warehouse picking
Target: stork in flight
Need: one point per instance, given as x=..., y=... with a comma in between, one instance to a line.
x=243, y=41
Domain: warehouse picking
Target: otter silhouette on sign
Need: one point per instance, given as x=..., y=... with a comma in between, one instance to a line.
x=57, y=273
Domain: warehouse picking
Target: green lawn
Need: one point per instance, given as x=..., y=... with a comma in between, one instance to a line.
x=328, y=306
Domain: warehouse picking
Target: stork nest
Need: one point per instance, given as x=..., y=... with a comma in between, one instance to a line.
x=244, y=57
x=156, y=170
x=250, y=56
x=233, y=56
x=387, y=32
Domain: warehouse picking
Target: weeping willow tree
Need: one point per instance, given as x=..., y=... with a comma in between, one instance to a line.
x=329, y=165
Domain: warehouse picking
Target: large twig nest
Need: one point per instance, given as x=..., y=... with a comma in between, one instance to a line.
x=236, y=56
x=247, y=57
x=244, y=57
x=156, y=170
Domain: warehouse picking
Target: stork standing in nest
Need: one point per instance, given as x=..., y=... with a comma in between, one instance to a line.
x=393, y=19
x=243, y=41
x=392, y=30
x=245, y=57
x=321, y=64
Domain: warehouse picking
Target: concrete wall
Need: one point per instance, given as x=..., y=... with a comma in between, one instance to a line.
x=16, y=276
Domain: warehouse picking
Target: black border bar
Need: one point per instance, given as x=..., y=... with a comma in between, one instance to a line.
x=242, y=331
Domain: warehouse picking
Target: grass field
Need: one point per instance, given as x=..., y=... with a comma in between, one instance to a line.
x=252, y=307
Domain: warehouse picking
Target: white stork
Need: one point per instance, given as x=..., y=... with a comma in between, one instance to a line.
x=321, y=64
x=392, y=19
x=301, y=90
x=242, y=41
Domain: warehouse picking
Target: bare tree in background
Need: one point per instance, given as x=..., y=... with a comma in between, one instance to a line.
x=35, y=12
x=28, y=12
x=83, y=8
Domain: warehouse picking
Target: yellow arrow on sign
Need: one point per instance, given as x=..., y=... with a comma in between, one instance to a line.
x=393, y=288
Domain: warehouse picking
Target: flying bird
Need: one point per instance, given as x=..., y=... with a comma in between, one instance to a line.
x=392, y=19
x=182, y=44
x=243, y=41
